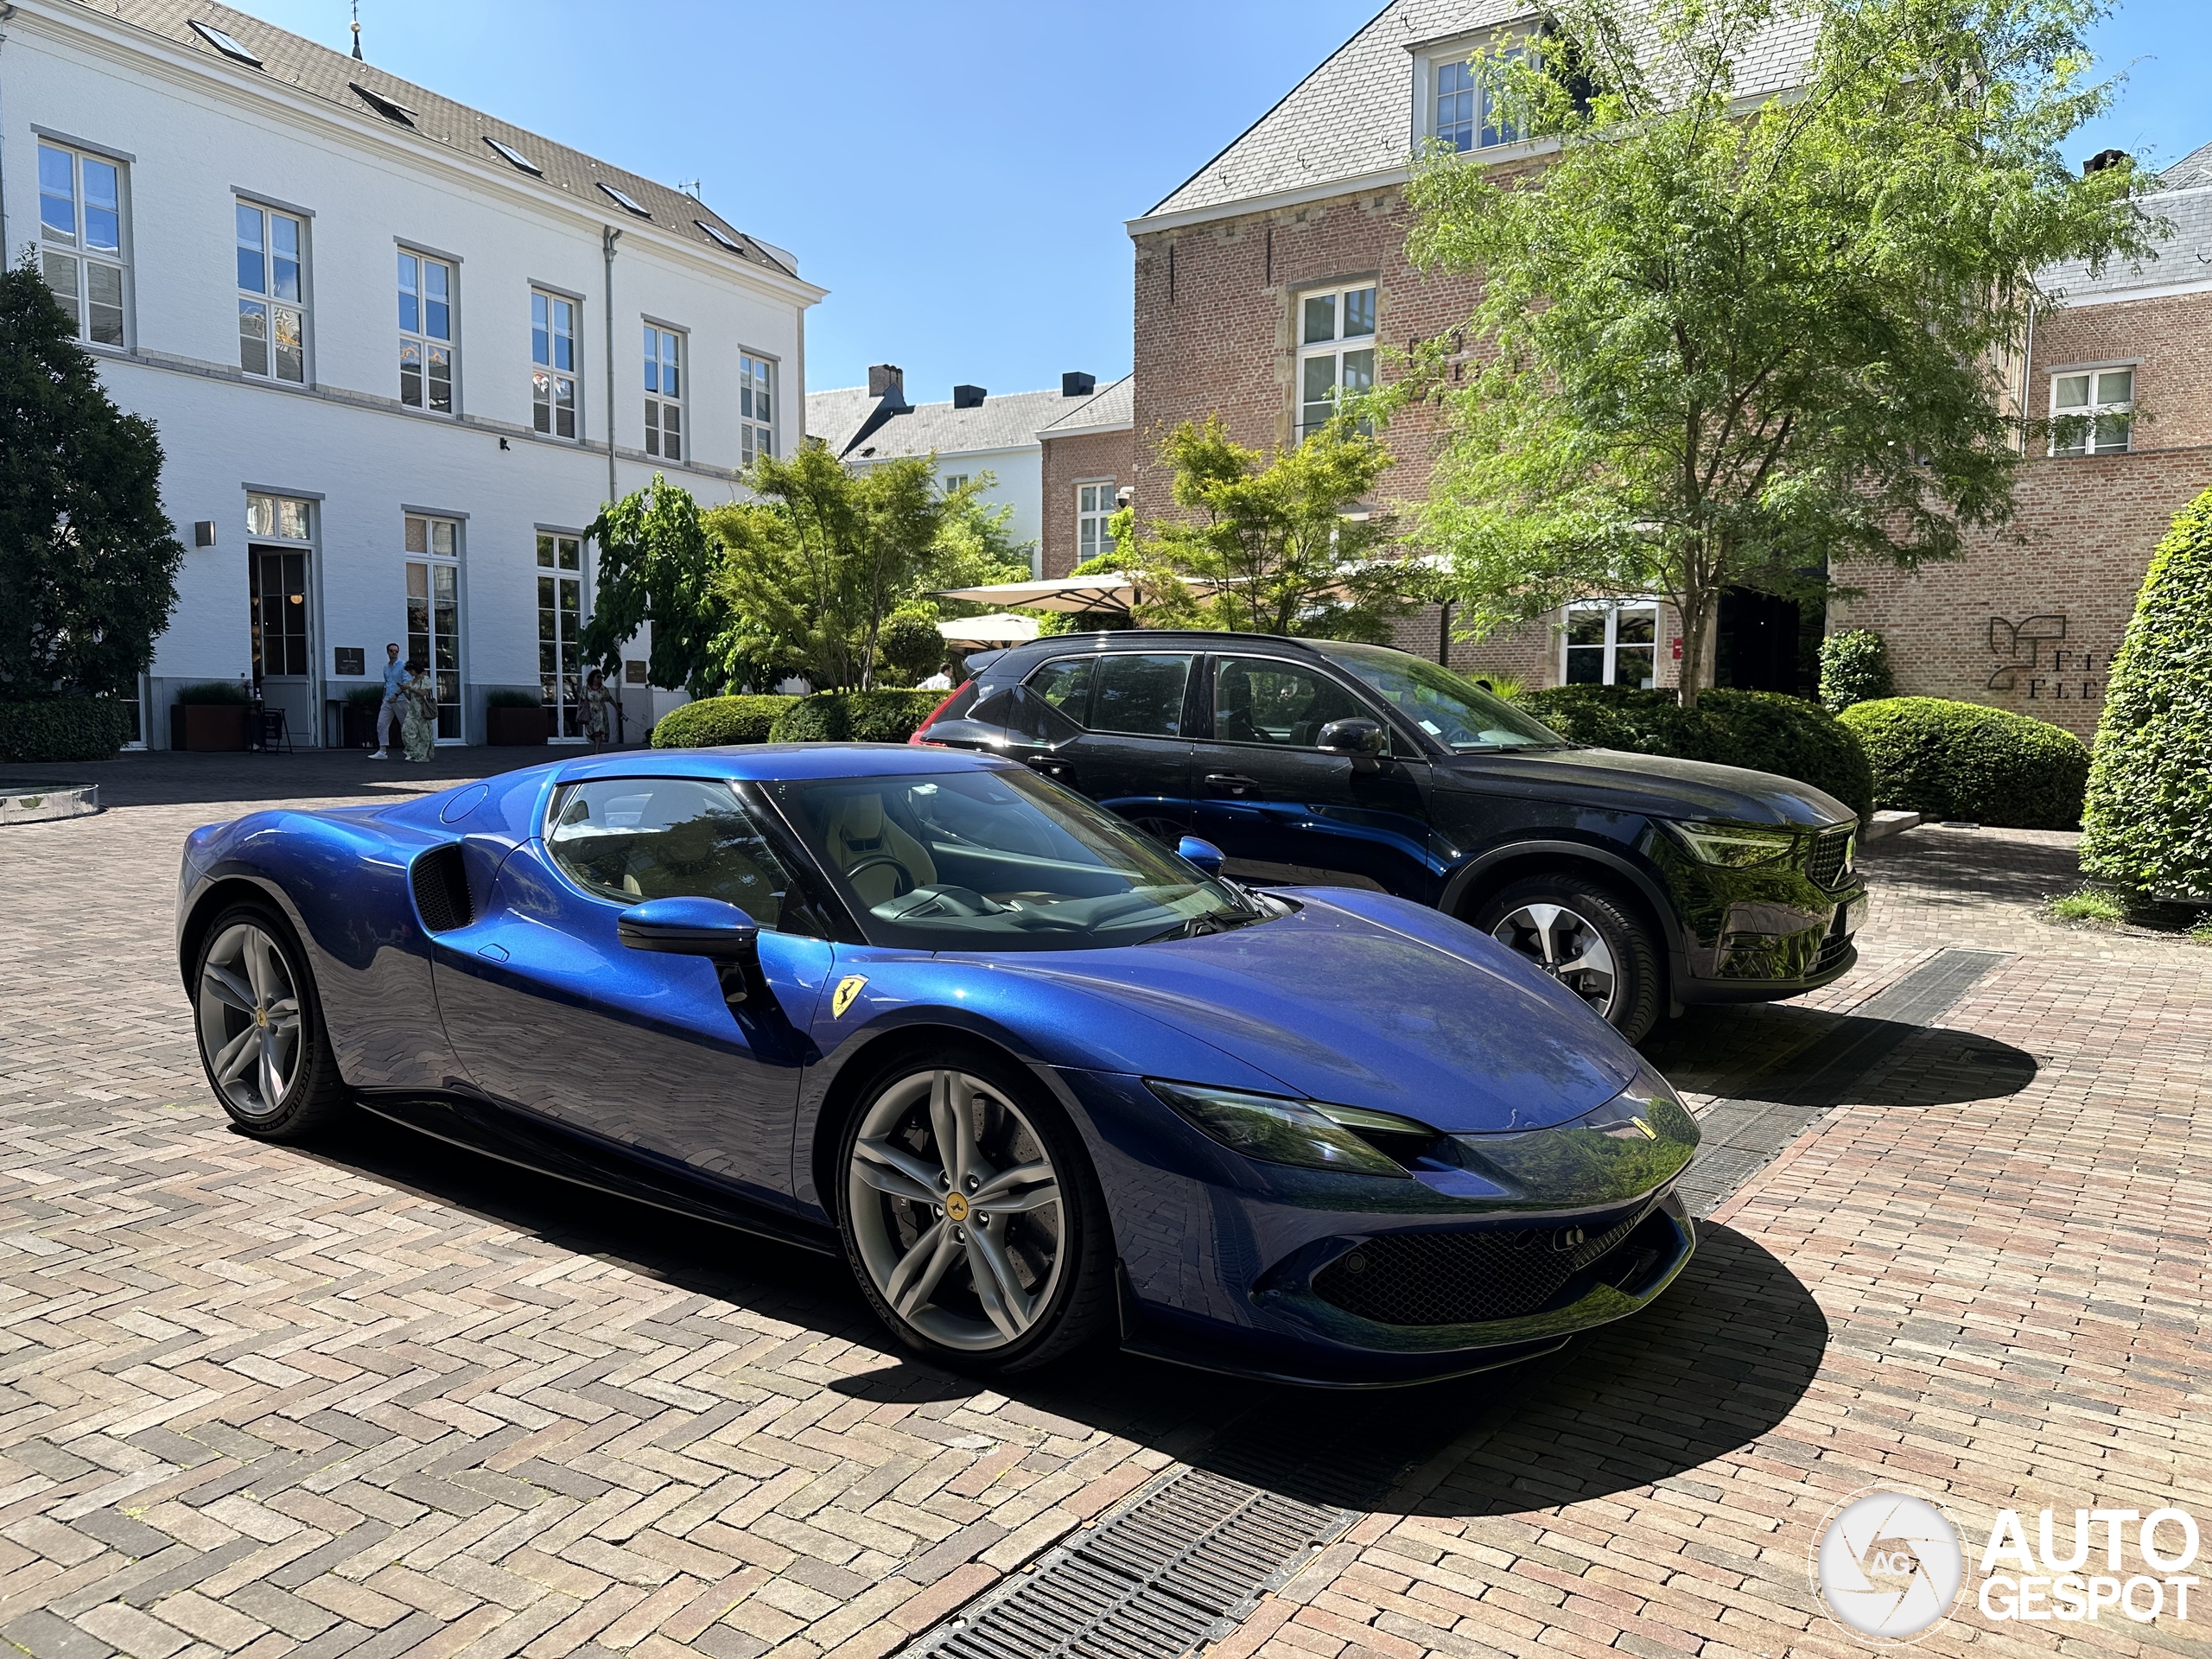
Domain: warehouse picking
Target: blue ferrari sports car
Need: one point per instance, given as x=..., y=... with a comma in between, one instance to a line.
x=1042, y=1082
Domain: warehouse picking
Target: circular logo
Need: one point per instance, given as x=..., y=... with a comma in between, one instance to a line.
x=956, y=1206
x=1887, y=1565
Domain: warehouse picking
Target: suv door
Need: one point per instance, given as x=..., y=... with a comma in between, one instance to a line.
x=1283, y=808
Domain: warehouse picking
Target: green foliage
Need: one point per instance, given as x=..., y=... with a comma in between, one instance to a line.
x=2086, y=905
x=88, y=561
x=1721, y=347
x=1946, y=759
x=1766, y=731
x=1854, y=668
x=657, y=564
x=2148, y=819
x=364, y=697
x=63, y=729
x=507, y=699
x=874, y=717
x=214, y=691
x=713, y=721
x=910, y=647
x=1265, y=546
x=1501, y=686
x=973, y=547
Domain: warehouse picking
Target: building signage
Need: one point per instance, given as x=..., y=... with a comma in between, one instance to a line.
x=2031, y=655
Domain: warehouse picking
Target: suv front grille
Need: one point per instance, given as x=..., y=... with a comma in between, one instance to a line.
x=1829, y=862
x=1465, y=1278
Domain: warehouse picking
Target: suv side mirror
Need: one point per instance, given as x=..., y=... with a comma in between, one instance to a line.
x=1363, y=740
x=1204, y=854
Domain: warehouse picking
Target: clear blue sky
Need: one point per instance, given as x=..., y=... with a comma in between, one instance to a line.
x=958, y=175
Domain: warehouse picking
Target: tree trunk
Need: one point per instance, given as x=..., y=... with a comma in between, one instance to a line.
x=1701, y=617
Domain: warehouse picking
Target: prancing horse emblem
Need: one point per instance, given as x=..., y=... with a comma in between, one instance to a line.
x=841, y=998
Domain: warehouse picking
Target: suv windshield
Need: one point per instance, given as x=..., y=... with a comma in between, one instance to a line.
x=1449, y=707
x=1000, y=860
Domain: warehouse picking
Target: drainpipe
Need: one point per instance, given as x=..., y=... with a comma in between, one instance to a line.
x=609, y=237
x=6, y=12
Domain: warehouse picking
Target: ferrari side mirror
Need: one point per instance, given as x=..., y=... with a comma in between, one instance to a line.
x=1204, y=854
x=689, y=927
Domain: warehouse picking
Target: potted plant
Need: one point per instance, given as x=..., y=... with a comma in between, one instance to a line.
x=210, y=718
x=359, y=720
x=514, y=719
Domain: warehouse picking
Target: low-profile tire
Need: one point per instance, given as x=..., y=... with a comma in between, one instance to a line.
x=996, y=1255
x=1587, y=935
x=259, y=1024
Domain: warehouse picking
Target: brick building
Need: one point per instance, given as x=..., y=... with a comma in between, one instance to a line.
x=1089, y=460
x=2028, y=621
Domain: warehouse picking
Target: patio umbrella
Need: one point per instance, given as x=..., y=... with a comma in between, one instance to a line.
x=999, y=630
x=1109, y=590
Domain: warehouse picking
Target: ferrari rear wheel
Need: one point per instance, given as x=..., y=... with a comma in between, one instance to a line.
x=971, y=1216
x=260, y=1026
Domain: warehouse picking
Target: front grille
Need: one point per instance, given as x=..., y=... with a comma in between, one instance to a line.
x=1462, y=1278
x=1831, y=950
x=441, y=884
x=1829, y=862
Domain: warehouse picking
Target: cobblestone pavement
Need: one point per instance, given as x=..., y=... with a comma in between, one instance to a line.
x=380, y=1398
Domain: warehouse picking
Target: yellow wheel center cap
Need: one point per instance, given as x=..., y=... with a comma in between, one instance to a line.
x=956, y=1205
x=261, y=1016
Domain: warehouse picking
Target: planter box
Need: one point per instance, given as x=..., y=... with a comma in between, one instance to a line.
x=358, y=727
x=209, y=728
x=516, y=728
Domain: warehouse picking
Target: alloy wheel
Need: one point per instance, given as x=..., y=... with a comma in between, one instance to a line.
x=1568, y=947
x=249, y=1019
x=956, y=1210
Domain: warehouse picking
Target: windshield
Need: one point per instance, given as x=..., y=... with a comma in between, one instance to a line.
x=1000, y=860
x=1449, y=707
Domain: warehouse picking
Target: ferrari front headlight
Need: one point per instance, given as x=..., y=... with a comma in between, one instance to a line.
x=1735, y=847
x=1301, y=1132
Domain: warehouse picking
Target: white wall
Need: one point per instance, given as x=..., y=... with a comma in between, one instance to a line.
x=1019, y=475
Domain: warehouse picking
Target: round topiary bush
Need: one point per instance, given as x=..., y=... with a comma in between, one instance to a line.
x=713, y=722
x=1946, y=759
x=1854, y=668
x=1765, y=731
x=879, y=716
x=2147, y=824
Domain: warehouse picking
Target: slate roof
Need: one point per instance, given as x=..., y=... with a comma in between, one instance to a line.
x=1353, y=117
x=1112, y=406
x=318, y=71
x=1009, y=420
x=2184, y=256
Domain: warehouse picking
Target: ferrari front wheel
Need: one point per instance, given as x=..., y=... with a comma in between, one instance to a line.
x=260, y=1028
x=971, y=1216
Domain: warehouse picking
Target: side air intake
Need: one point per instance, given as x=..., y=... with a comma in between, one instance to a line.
x=441, y=883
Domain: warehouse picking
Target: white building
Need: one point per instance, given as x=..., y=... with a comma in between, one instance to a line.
x=974, y=432
x=384, y=339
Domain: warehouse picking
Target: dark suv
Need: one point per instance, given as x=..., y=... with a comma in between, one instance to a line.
x=1642, y=883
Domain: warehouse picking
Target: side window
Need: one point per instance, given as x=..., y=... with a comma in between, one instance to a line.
x=1263, y=700
x=1024, y=716
x=632, y=839
x=1142, y=695
x=1066, y=684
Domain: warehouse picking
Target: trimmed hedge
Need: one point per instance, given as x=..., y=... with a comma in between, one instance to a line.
x=1947, y=760
x=879, y=716
x=1854, y=668
x=713, y=722
x=63, y=729
x=1765, y=731
x=2147, y=824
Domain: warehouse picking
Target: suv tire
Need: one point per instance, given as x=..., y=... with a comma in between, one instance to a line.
x=1584, y=934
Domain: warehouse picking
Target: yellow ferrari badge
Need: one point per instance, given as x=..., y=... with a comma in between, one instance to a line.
x=841, y=998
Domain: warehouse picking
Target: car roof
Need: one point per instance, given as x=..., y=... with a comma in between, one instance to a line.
x=1067, y=645
x=778, y=762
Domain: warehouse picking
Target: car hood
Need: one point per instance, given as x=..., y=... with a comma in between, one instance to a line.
x=1655, y=785
x=1346, y=1008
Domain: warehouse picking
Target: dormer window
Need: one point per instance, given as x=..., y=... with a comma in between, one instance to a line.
x=1456, y=109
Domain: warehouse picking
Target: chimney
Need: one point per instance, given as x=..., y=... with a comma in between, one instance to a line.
x=886, y=377
x=969, y=396
x=1076, y=384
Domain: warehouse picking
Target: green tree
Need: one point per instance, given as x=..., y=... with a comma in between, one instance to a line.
x=88, y=559
x=657, y=564
x=1718, y=347
x=1276, y=544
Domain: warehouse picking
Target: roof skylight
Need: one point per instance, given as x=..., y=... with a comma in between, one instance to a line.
x=721, y=236
x=627, y=202
x=222, y=42
x=514, y=158
x=389, y=108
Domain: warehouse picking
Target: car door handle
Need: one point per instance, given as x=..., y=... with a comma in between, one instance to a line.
x=1050, y=768
x=1232, y=783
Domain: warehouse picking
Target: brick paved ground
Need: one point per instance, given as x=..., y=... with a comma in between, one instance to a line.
x=379, y=1399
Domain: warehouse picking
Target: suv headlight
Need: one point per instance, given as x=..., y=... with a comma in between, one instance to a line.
x=1302, y=1132
x=1735, y=847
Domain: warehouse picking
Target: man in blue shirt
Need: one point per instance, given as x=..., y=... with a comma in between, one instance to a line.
x=395, y=677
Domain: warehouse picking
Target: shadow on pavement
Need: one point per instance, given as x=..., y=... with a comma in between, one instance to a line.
x=1810, y=1058
x=172, y=778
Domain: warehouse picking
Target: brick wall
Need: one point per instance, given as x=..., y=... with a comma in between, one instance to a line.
x=1068, y=461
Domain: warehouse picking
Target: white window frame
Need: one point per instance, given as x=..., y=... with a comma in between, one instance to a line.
x=1612, y=645
x=426, y=549
x=272, y=307
x=88, y=270
x=1446, y=63
x=1094, y=505
x=421, y=340
x=1344, y=300
x=547, y=373
x=756, y=385
x=952, y=482
x=668, y=356
x=563, y=703
x=2102, y=417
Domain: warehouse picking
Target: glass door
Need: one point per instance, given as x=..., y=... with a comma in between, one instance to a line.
x=434, y=613
x=282, y=656
x=560, y=620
